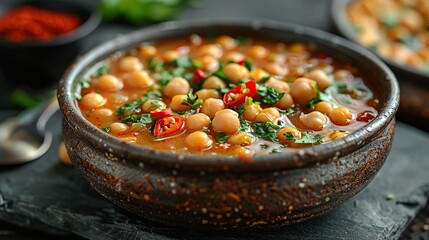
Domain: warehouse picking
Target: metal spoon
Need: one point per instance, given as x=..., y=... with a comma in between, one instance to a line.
x=24, y=138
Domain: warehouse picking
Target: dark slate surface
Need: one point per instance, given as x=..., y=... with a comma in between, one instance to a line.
x=49, y=196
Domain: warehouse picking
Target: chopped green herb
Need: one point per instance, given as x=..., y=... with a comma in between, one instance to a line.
x=219, y=72
x=241, y=40
x=263, y=145
x=248, y=100
x=183, y=62
x=89, y=111
x=275, y=150
x=266, y=130
x=268, y=94
x=144, y=118
x=389, y=18
x=23, y=99
x=221, y=137
x=265, y=79
x=130, y=107
x=248, y=64
x=100, y=71
x=389, y=197
x=77, y=96
x=155, y=64
x=196, y=64
x=320, y=97
x=240, y=110
x=193, y=101
x=156, y=104
x=106, y=129
x=305, y=138
x=244, y=126
x=286, y=111
x=84, y=82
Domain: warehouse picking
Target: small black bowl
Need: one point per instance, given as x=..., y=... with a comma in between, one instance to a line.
x=38, y=63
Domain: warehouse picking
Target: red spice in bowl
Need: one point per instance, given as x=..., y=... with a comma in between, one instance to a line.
x=32, y=23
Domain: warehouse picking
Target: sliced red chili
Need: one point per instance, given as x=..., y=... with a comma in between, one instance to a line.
x=238, y=94
x=365, y=116
x=241, y=62
x=161, y=114
x=167, y=126
x=198, y=75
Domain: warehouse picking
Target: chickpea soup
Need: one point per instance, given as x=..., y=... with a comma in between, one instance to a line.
x=226, y=95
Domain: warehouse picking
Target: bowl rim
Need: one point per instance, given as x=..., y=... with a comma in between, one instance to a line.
x=342, y=24
x=83, y=29
x=286, y=160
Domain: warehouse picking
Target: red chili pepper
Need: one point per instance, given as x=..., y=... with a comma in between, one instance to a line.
x=161, y=114
x=198, y=75
x=167, y=126
x=365, y=116
x=237, y=95
x=241, y=62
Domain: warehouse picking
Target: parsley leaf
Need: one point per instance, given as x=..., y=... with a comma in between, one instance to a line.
x=183, y=62
x=305, y=138
x=156, y=64
x=240, y=110
x=266, y=130
x=268, y=94
x=129, y=107
x=84, y=82
x=221, y=137
x=106, y=129
x=193, y=101
x=100, y=71
x=219, y=72
x=248, y=65
x=320, y=97
x=244, y=126
x=144, y=118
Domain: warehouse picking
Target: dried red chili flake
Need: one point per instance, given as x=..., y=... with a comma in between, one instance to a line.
x=30, y=23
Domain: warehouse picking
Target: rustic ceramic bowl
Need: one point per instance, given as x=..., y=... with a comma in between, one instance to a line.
x=345, y=28
x=216, y=192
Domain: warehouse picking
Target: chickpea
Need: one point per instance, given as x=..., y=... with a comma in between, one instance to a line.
x=314, y=120
x=211, y=106
x=343, y=75
x=210, y=49
x=197, y=121
x=236, y=72
x=103, y=113
x=199, y=140
x=297, y=48
x=170, y=55
x=109, y=82
x=177, y=86
x=226, y=42
x=176, y=103
x=139, y=79
x=258, y=74
x=285, y=102
x=226, y=122
x=321, y=78
x=234, y=56
x=152, y=105
x=208, y=93
x=148, y=51
x=279, y=86
x=129, y=64
x=283, y=139
x=251, y=111
x=303, y=90
x=323, y=107
x=337, y=134
x=213, y=82
x=118, y=127
x=240, y=139
x=340, y=116
x=268, y=115
x=93, y=100
x=258, y=51
x=229, y=111
x=210, y=63
x=275, y=69
x=63, y=155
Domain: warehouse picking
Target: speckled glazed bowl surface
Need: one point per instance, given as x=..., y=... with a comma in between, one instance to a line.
x=216, y=192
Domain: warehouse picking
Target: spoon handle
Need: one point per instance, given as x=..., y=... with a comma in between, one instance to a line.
x=47, y=113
